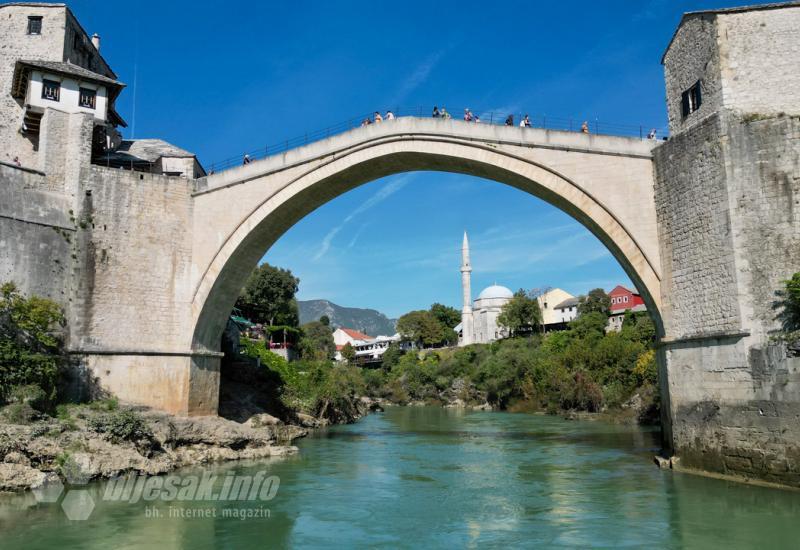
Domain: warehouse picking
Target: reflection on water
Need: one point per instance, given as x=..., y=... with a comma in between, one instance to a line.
x=420, y=476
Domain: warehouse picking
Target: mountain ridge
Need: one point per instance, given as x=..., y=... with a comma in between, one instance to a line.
x=369, y=321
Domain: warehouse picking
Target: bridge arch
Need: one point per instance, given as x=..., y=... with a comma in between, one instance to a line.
x=260, y=201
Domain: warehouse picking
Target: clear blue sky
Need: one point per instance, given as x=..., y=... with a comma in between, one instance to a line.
x=222, y=78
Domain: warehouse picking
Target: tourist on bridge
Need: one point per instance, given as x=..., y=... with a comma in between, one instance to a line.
x=525, y=122
x=389, y=115
x=585, y=127
x=366, y=122
x=510, y=120
x=445, y=114
x=436, y=113
x=467, y=115
x=652, y=134
x=378, y=117
x=246, y=159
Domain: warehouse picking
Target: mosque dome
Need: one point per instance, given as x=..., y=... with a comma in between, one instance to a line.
x=495, y=291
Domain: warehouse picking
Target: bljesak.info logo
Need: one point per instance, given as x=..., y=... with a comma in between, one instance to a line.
x=250, y=490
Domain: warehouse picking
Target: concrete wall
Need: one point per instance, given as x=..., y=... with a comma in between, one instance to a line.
x=727, y=195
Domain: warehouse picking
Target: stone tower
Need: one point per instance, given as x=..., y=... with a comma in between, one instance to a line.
x=466, y=311
x=727, y=193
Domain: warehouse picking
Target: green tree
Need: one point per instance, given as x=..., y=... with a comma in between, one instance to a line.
x=448, y=316
x=316, y=343
x=325, y=320
x=597, y=300
x=422, y=328
x=521, y=314
x=31, y=350
x=348, y=353
x=789, y=303
x=268, y=296
x=589, y=325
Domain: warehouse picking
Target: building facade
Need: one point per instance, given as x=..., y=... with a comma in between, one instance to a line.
x=623, y=300
x=549, y=300
x=56, y=88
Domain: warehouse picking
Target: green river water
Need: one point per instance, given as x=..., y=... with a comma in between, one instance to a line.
x=439, y=478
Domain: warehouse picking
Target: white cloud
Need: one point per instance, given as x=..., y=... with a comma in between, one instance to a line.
x=382, y=194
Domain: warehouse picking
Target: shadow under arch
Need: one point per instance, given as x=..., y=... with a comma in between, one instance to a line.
x=336, y=174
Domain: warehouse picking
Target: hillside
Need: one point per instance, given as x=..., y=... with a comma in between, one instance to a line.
x=368, y=321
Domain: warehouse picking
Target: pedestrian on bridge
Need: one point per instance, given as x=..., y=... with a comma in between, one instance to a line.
x=378, y=117
x=510, y=120
x=436, y=113
x=525, y=122
x=246, y=159
x=389, y=115
x=445, y=114
x=467, y=115
x=585, y=127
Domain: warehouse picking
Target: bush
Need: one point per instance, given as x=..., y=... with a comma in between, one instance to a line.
x=30, y=348
x=31, y=394
x=20, y=413
x=789, y=303
x=121, y=426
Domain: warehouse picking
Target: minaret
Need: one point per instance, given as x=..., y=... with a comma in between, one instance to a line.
x=466, y=311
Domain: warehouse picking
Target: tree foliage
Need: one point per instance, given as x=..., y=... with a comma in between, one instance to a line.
x=423, y=328
x=521, y=314
x=789, y=304
x=268, y=296
x=348, y=352
x=316, y=343
x=31, y=350
x=448, y=316
x=596, y=301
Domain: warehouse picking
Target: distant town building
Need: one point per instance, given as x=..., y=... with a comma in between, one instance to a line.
x=342, y=336
x=57, y=91
x=479, y=320
x=622, y=300
x=565, y=312
x=549, y=300
x=371, y=351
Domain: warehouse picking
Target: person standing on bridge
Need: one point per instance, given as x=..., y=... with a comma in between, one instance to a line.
x=525, y=122
x=652, y=134
x=467, y=115
x=436, y=113
x=510, y=120
x=585, y=127
x=389, y=115
x=378, y=117
x=246, y=159
x=445, y=114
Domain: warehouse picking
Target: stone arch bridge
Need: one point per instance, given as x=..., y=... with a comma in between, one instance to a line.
x=158, y=261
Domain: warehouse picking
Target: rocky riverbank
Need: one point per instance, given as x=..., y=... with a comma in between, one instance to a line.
x=102, y=440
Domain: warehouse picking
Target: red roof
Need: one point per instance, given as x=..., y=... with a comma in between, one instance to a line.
x=356, y=335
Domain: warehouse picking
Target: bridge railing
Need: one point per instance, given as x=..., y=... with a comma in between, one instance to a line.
x=541, y=121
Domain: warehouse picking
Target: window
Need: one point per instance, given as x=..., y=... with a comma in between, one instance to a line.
x=34, y=24
x=691, y=100
x=625, y=299
x=86, y=98
x=51, y=90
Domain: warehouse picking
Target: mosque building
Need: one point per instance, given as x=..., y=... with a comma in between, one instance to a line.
x=479, y=319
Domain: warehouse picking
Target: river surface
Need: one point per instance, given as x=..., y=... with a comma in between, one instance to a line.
x=437, y=478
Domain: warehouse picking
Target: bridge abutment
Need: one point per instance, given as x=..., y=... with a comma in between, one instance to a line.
x=727, y=192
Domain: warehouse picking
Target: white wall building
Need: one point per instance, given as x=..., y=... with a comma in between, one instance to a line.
x=566, y=311
x=548, y=302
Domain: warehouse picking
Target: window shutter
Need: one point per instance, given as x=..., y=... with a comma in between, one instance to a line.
x=697, y=88
x=685, y=104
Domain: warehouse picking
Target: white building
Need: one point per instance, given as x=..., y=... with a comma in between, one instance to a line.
x=479, y=319
x=566, y=311
x=342, y=336
x=549, y=301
